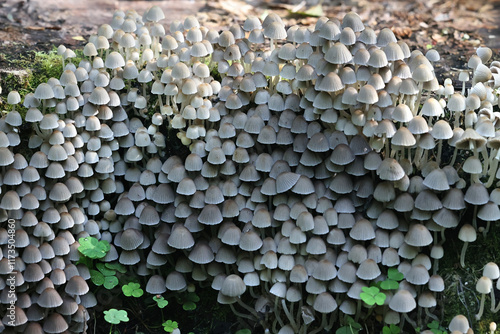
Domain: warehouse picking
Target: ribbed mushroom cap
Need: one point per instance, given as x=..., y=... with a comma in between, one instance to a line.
x=476, y=194
x=368, y=270
x=76, y=286
x=175, y=281
x=180, y=238
x=10, y=201
x=390, y=170
x=418, y=235
x=201, y=253
x=49, y=298
x=417, y=275
x=233, y=286
x=362, y=230
x=402, y=302
x=156, y=285
x=325, y=303
x=338, y=54
x=437, y=180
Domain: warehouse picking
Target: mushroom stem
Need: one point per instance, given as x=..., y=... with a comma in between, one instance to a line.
x=322, y=326
x=277, y=312
x=493, y=168
x=492, y=297
x=289, y=316
x=411, y=322
x=462, y=254
x=439, y=152
x=481, y=307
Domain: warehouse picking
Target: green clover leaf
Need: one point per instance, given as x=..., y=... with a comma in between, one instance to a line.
x=372, y=295
x=132, y=289
x=93, y=248
x=170, y=325
x=116, y=266
x=110, y=282
x=160, y=301
x=394, y=274
x=104, y=270
x=97, y=277
x=114, y=316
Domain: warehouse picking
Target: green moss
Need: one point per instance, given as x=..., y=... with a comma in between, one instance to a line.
x=25, y=71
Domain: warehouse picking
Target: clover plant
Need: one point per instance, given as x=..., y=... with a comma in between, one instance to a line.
x=93, y=248
x=351, y=327
x=160, y=301
x=170, y=325
x=114, y=317
x=132, y=289
x=391, y=329
x=372, y=295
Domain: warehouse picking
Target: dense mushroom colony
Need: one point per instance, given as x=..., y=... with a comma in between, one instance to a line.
x=318, y=158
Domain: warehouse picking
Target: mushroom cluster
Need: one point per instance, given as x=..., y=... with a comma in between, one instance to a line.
x=314, y=166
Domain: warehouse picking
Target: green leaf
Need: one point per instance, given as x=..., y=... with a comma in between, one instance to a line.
x=132, y=289
x=433, y=325
x=93, y=248
x=244, y=331
x=389, y=284
x=160, y=301
x=105, y=271
x=380, y=298
x=110, y=282
x=170, y=325
x=394, y=274
x=189, y=306
x=347, y=330
x=372, y=295
x=394, y=329
x=114, y=316
x=386, y=330
x=96, y=277
x=116, y=266
x=192, y=296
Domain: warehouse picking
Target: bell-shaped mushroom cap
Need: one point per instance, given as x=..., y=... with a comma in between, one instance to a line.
x=353, y=21
x=467, y=233
x=114, y=60
x=175, y=281
x=10, y=201
x=484, y=285
x=418, y=235
x=201, y=253
x=19, y=319
x=325, y=303
x=417, y=275
x=180, y=238
x=76, y=286
x=131, y=239
x=437, y=180
x=59, y=193
x=368, y=270
x=362, y=230
x=476, y=194
x=55, y=323
x=491, y=270
x=390, y=170
x=338, y=54
x=233, y=286
x=459, y=323
x=49, y=298
x=156, y=285
x=402, y=302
